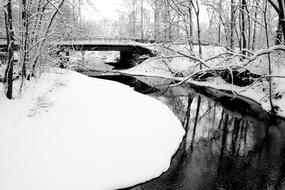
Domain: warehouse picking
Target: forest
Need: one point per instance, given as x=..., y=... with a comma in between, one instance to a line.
x=252, y=34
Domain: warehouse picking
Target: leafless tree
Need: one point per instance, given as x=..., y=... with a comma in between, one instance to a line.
x=10, y=47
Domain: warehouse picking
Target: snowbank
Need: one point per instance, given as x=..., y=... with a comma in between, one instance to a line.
x=74, y=132
x=258, y=91
x=171, y=65
x=166, y=67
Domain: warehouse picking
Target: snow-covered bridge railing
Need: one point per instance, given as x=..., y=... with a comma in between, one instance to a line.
x=111, y=39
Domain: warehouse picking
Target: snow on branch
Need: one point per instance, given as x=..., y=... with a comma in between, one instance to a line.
x=188, y=56
x=264, y=52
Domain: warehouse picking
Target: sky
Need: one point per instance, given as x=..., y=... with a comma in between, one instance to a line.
x=104, y=9
x=110, y=10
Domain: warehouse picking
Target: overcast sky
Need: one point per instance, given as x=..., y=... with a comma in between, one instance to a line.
x=104, y=9
x=110, y=9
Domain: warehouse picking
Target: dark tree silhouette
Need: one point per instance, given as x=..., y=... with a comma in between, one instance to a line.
x=10, y=49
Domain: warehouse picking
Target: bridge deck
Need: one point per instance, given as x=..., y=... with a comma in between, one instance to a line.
x=94, y=45
x=98, y=45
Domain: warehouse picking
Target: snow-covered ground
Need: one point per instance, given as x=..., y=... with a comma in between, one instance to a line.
x=166, y=67
x=170, y=64
x=258, y=92
x=69, y=131
x=169, y=67
x=93, y=60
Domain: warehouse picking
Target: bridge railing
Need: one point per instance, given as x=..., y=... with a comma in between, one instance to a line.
x=111, y=39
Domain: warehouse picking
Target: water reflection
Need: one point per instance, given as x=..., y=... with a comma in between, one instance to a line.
x=224, y=148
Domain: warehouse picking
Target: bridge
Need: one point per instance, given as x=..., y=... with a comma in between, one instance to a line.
x=130, y=50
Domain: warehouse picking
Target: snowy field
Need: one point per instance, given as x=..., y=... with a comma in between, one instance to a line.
x=72, y=132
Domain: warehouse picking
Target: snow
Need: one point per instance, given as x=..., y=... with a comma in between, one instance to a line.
x=94, y=60
x=170, y=64
x=153, y=67
x=69, y=131
x=168, y=67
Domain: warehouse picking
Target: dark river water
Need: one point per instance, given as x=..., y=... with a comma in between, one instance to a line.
x=230, y=144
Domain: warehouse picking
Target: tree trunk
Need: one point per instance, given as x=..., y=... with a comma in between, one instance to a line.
x=249, y=27
x=232, y=30
x=142, y=33
x=190, y=36
x=273, y=108
x=278, y=38
x=253, y=45
x=25, y=37
x=197, y=12
x=280, y=10
x=10, y=49
x=243, y=27
x=199, y=37
x=156, y=19
x=282, y=17
x=219, y=24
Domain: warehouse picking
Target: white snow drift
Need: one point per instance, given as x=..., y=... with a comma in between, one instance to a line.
x=71, y=132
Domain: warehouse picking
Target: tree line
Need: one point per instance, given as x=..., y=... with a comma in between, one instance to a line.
x=242, y=27
x=231, y=23
x=27, y=26
x=247, y=29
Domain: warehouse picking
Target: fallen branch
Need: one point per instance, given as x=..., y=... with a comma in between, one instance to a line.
x=189, y=56
x=264, y=52
x=231, y=74
x=233, y=54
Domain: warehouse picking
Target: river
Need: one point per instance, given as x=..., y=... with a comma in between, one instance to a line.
x=230, y=144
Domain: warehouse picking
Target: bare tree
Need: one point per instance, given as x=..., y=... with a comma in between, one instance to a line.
x=183, y=13
x=142, y=16
x=25, y=36
x=46, y=34
x=10, y=49
x=197, y=12
x=243, y=26
x=253, y=44
x=280, y=9
x=132, y=7
x=268, y=55
x=232, y=30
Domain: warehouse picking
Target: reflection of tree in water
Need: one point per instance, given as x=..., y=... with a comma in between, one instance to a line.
x=178, y=104
x=236, y=153
x=222, y=148
x=227, y=151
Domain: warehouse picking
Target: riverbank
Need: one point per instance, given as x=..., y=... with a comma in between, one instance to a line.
x=69, y=131
x=254, y=86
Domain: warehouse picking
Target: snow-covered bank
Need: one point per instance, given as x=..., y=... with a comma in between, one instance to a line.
x=170, y=64
x=258, y=91
x=74, y=132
